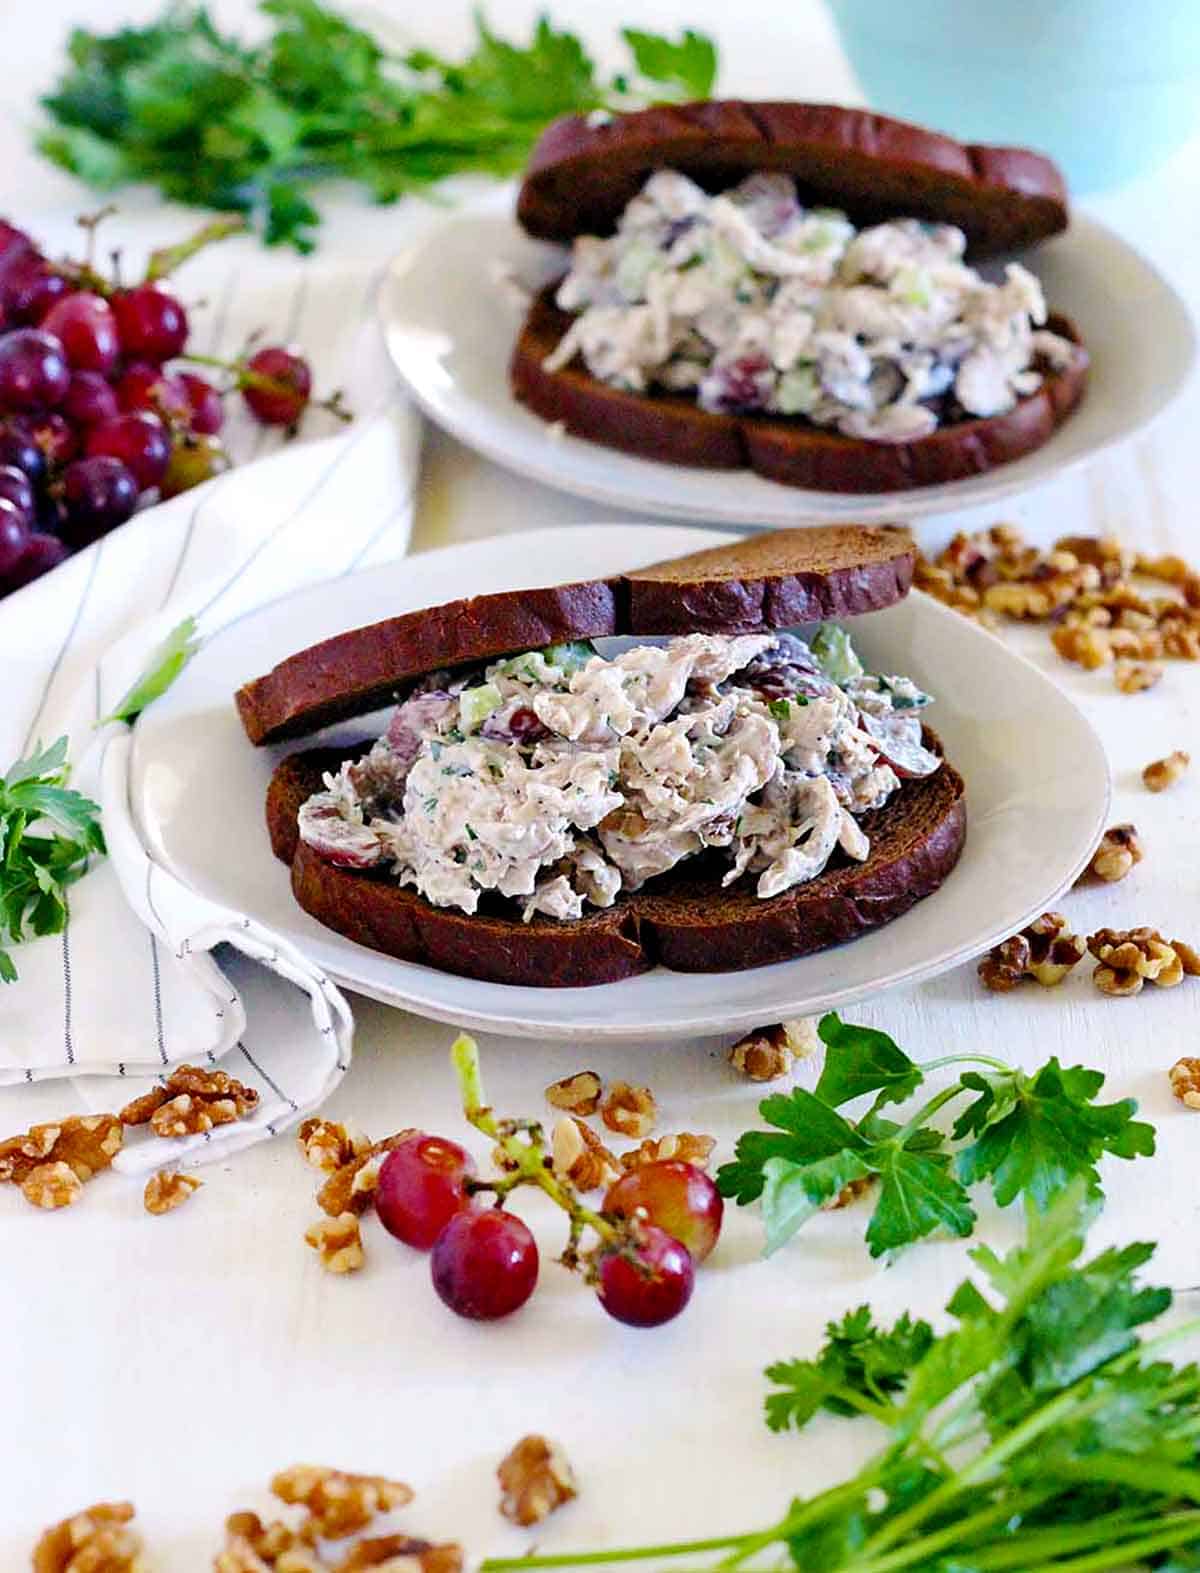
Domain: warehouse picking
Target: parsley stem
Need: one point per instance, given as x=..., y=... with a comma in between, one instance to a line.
x=965, y=1059
x=1181, y=1531
x=926, y=1112
x=569, y=1559
x=957, y=1532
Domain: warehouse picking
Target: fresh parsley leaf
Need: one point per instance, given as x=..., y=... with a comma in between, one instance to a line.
x=48, y=836
x=792, y=1192
x=860, y=1060
x=164, y=667
x=254, y=128
x=1034, y=1134
x=859, y=1362
x=834, y=653
x=917, y=1195
x=808, y=1130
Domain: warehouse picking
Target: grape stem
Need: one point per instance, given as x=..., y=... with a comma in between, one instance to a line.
x=244, y=377
x=531, y=1166
x=166, y=259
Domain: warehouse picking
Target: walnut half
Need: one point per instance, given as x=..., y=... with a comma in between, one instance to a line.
x=629, y=1111
x=1160, y=774
x=1046, y=951
x=1119, y=852
x=1185, y=1081
x=1128, y=958
x=97, y=1540
x=535, y=1479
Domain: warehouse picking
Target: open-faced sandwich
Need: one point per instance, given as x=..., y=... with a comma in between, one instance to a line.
x=791, y=288
x=727, y=787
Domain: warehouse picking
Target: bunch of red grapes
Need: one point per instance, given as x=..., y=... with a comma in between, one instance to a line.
x=656, y=1225
x=94, y=417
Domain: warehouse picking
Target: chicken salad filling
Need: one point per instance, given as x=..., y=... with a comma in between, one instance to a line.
x=753, y=303
x=561, y=777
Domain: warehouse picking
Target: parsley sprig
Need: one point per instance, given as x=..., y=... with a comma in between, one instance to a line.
x=219, y=123
x=1027, y=1135
x=1041, y=1433
x=163, y=667
x=48, y=835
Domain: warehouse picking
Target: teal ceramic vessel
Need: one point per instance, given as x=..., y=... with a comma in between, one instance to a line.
x=1108, y=88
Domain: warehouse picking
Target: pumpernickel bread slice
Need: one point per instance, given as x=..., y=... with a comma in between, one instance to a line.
x=671, y=427
x=762, y=582
x=685, y=921
x=583, y=172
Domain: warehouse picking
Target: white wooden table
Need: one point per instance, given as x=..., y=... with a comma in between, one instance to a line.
x=180, y=1362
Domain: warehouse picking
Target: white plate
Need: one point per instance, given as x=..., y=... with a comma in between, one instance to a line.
x=1037, y=797
x=450, y=329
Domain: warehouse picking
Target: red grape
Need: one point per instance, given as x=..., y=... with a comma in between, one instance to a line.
x=41, y=554
x=54, y=435
x=12, y=240
x=421, y=1187
x=284, y=404
x=14, y=535
x=30, y=288
x=18, y=488
x=33, y=370
x=139, y=440
x=146, y=387
x=647, y=1282
x=152, y=324
x=193, y=461
x=98, y=493
x=90, y=399
x=18, y=448
x=207, y=406
x=87, y=329
x=485, y=1263
x=678, y=1197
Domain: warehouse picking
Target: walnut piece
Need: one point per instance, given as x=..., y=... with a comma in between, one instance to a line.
x=1046, y=951
x=338, y=1504
x=1160, y=774
x=352, y=1187
x=1120, y=850
x=630, y=1111
x=535, y=1479
x=1128, y=958
x=52, y=1185
x=850, y=1193
x=1135, y=677
x=684, y=1147
x=192, y=1100
x=1185, y=1081
x=577, y=1094
x=339, y=1243
x=167, y=1190
x=401, y=1554
x=577, y=1154
x=86, y=1143
x=250, y=1546
x=97, y=1540
x=767, y=1053
x=327, y=1144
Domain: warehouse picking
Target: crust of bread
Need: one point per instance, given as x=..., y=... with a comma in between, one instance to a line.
x=671, y=427
x=582, y=173
x=685, y=921
x=763, y=582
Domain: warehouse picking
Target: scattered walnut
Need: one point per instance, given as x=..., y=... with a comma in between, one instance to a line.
x=1185, y=1082
x=1127, y=958
x=767, y=1053
x=850, y=1193
x=1171, y=570
x=87, y=1143
x=52, y=1185
x=138, y=1111
x=338, y=1504
x=535, y=1478
x=1046, y=951
x=339, y=1241
x=250, y=1546
x=351, y=1188
x=685, y=1147
x=1134, y=677
x=1085, y=646
x=1163, y=773
x=577, y=1094
x=97, y=1540
x=327, y=1144
x=577, y=1154
x=1119, y=851
x=630, y=1111
x=400, y=1554
x=185, y=1115
x=167, y=1190
x=1189, y=959
x=191, y=1100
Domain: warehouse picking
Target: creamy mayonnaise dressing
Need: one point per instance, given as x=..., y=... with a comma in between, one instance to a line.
x=755, y=303
x=561, y=777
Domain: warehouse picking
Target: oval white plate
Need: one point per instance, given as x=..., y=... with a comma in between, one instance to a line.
x=1037, y=796
x=450, y=328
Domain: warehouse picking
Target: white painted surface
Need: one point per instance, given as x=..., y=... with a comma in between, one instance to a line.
x=181, y=1360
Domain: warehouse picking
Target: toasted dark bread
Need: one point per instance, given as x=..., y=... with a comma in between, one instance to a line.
x=673, y=428
x=762, y=582
x=684, y=921
x=582, y=174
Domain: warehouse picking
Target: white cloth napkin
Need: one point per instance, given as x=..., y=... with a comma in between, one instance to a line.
x=149, y=974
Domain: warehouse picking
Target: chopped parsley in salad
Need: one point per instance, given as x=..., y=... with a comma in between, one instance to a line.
x=560, y=777
x=754, y=303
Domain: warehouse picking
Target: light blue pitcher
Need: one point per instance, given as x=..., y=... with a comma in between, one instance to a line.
x=1109, y=88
